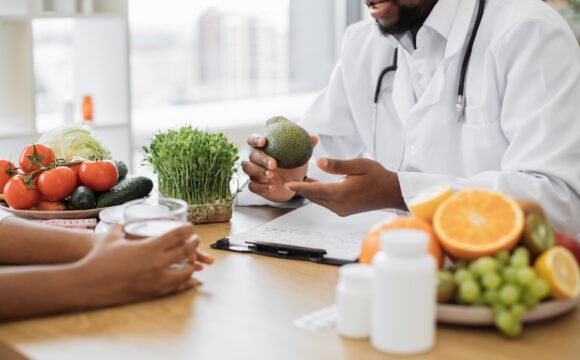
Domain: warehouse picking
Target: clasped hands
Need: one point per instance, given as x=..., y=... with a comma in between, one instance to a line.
x=366, y=185
x=122, y=271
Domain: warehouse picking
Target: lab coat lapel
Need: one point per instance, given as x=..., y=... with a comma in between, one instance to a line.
x=446, y=73
x=459, y=31
x=403, y=95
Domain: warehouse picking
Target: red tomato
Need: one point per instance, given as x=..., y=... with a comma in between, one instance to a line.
x=21, y=193
x=76, y=168
x=57, y=184
x=99, y=175
x=34, y=156
x=7, y=170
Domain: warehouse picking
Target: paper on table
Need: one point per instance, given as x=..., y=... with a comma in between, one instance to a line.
x=317, y=227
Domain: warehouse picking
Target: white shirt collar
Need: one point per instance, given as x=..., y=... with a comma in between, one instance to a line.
x=440, y=20
x=441, y=17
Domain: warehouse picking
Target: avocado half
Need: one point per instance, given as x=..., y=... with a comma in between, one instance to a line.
x=287, y=142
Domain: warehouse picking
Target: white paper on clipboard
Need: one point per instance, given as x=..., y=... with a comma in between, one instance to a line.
x=314, y=226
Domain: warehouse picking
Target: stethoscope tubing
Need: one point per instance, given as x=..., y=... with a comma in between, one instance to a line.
x=464, y=66
x=460, y=104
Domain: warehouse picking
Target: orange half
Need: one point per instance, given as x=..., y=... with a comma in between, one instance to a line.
x=478, y=222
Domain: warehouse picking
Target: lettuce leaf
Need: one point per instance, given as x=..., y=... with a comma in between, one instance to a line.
x=74, y=140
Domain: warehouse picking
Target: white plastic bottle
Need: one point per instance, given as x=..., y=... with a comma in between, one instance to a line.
x=353, y=301
x=403, y=294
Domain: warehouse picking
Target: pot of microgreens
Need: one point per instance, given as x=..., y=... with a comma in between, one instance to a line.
x=198, y=167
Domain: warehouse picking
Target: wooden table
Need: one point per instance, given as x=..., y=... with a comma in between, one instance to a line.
x=245, y=310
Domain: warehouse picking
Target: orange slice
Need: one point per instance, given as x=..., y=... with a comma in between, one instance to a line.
x=372, y=240
x=424, y=205
x=560, y=270
x=478, y=222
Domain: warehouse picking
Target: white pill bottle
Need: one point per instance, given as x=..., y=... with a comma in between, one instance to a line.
x=403, y=299
x=353, y=301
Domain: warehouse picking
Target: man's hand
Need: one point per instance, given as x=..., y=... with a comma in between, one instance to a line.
x=266, y=179
x=366, y=186
x=120, y=271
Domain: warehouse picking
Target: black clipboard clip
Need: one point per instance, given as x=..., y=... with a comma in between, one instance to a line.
x=281, y=251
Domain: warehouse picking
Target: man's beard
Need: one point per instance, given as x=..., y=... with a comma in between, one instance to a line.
x=411, y=17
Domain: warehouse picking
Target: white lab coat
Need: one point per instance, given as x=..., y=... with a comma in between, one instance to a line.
x=521, y=130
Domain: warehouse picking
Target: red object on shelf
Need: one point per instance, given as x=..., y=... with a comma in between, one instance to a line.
x=88, y=109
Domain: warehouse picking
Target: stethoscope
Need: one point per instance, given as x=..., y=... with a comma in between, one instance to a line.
x=460, y=103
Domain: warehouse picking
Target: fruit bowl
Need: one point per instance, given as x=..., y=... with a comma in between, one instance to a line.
x=482, y=316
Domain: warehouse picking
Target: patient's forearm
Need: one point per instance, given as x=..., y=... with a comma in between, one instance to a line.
x=24, y=242
x=38, y=290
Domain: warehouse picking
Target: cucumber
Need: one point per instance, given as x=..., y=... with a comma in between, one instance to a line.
x=82, y=198
x=122, y=169
x=126, y=190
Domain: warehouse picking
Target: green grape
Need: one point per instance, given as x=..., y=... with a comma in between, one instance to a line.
x=509, y=274
x=529, y=300
x=522, y=250
x=491, y=280
x=514, y=330
x=525, y=276
x=460, y=264
x=520, y=258
x=486, y=265
x=502, y=258
x=509, y=294
x=490, y=297
x=469, y=291
x=504, y=320
x=474, y=267
x=497, y=307
x=518, y=311
x=462, y=275
x=539, y=288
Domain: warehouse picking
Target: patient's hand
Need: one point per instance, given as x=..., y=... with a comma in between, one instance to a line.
x=119, y=271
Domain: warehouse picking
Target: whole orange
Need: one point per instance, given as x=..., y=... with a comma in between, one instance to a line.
x=372, y=240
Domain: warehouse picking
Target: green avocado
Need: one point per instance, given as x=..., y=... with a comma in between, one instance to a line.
x=82, y=198
x=287, y=142
x=122, y=169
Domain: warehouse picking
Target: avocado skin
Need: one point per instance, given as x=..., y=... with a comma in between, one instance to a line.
x=122, y=169
x=82, y=198
x=287, y=142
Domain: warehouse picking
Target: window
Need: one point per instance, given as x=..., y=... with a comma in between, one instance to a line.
x=53, y=67
x=187, y=52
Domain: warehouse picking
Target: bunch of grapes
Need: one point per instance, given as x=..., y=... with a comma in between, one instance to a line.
x=505, y=283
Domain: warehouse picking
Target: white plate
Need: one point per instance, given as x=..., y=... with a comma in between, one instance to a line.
x=47, y=215
x=468, y=315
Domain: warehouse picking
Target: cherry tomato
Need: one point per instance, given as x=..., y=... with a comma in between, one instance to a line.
x=21, y=193
x=57, y=184
x=99, y=175
x=34, y=156
x=7, y=170
x=76, y=168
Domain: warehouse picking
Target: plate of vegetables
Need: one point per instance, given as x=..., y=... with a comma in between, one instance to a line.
x=47, y=186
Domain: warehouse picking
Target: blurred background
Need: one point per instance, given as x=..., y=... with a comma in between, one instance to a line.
x=148, y=65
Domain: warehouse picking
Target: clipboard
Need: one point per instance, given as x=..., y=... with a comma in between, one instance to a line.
x=309, y=233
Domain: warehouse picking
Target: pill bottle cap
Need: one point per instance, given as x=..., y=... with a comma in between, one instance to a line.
x=404, y=242
x=357, y=277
